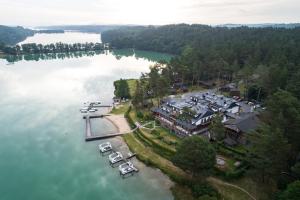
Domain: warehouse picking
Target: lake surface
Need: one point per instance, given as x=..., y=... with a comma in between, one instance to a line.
x=67, y=37
x=42, y=150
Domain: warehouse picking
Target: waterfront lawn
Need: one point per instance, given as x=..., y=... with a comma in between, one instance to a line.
x=158, y=140
x=228, y=192
x=132, y=86
x=146, y=155
x=120, y=109
x=261, y=191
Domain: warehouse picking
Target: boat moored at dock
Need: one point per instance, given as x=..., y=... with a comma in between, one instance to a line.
x=127, y=168
x=115, y=158
x=105, y=147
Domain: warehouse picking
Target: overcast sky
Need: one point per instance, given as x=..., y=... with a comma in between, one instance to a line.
x=61, y=12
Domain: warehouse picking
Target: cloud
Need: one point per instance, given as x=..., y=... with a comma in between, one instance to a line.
x=41, y=12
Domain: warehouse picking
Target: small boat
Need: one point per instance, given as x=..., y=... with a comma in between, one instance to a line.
x=105, y=147
x=127, y=168
x=97, y=103
x=92, y=110
x=115, y=157
x=83, y=110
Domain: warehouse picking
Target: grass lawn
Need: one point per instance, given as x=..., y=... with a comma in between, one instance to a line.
x=228, y=192
x=120, y=109
x=160, y=140
x=258, y=189
x=149, y=157
x=132, y=86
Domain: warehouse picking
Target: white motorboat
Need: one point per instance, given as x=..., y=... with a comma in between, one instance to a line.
x=115, y=157
x=127, y=168
x=83, y=110
x=105, y=147
x=92, y=110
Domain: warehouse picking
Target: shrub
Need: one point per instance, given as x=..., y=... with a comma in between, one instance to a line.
x=160, y=137
x=155, y=132
x=139, y=115
x=202, y=189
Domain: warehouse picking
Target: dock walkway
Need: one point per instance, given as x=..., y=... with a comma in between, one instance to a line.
x=122, y=127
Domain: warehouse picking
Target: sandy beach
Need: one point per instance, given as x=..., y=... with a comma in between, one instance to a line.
x=119, y=122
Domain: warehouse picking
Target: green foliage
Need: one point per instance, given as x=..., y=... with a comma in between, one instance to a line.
x=292, y=192
x=158, y=84
x=269, y=151
x=195, y=155
x=139, y=114
x=122, y=89
x=138, y=98
x=217, y=128
x=266, y=57
x=256, y=93
x=284, y=113
x=233, y=174
x=203, y=191
x=158, y=148
x=296, y=170
x=207, y=197
x=187, y=114
x=33, y=48
x=128, y=118
x=293, y=85
x=13, y=35
x=155, y=132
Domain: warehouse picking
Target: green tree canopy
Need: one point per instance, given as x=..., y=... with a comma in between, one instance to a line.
x=122, y=89
x=292, y=192
x=195, y=155
x=269, y=151
x=217, y=128
x=283, y=112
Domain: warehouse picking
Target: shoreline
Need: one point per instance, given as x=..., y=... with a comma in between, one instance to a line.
x=119, y=122
x=152, y=172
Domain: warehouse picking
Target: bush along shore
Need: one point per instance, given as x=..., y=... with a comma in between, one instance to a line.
x=33, y=48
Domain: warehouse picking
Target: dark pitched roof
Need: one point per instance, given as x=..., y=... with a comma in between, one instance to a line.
x=244, y=124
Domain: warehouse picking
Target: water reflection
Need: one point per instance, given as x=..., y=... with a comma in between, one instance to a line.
x=119, y=54
x=50, y=56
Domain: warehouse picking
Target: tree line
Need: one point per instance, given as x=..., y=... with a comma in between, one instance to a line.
x=33, y=48
x=12, y=35
x=50, y=56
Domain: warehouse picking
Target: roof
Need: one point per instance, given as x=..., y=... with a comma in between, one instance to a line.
x=245, y=124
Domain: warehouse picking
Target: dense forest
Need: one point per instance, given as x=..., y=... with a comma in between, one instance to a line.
x=264, y=62
x=13, y=35
x=265, y=58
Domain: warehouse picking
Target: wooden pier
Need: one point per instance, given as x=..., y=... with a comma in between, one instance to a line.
x=89, y=136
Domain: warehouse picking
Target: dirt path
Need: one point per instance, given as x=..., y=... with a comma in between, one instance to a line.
x=220, y=182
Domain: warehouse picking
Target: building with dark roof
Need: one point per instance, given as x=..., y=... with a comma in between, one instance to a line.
x=238, y=128
x=192, y=113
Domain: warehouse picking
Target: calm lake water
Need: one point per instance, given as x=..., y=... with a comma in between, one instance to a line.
x=42, y=150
